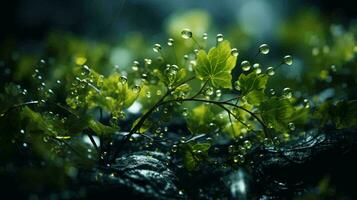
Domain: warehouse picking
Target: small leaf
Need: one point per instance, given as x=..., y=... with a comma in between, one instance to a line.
x=252, y=86
x=100, y=128
x=217, y=65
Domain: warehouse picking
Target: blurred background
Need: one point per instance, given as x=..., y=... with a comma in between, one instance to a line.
x=105, y=34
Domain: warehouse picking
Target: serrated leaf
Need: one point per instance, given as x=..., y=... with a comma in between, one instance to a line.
x=279, y=112
x=252, y=86
x=217, y=65
x=191, y=158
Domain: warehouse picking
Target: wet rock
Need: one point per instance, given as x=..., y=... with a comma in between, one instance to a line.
x=141, y=175
x=293, y=169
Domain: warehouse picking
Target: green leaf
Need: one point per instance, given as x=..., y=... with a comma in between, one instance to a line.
x=252, y=86
x=100, y=128
x=94, y=90
x=342, y=115
x=279, y=112
x=194, y=154
x=199, y=119
x=217, y=65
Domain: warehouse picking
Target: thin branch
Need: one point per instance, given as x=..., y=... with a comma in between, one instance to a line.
x=18, y=106
x=199, y=92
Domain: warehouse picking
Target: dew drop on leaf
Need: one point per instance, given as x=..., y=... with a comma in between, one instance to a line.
x=219, y=37
x=237, y=85
x=205, y=36
x=123, y=79
x=245, y=65
x=287, y=92
x=257, y=68
x=270, y=71
x=186, y=33
x=264, y=49
x=288, y=59
x=234, y=52
x=218, y=93
x=209, y=91
x=136, y=88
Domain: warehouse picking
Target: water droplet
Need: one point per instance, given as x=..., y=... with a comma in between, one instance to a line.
x=245, y=65
x=135, y=66
x=218, y=93
x=267, y=142
x=156, y=48
x=306, y=103
x=180, y=192
x=291, y=126
x=148, y=94
x=184, y=112
x=234, y=52
x=123, y=80
x=86, y=68
x=238, y=158
x=22, y=131
x=287, y=92
x=24, y=144
x=288, y=59
x=272, y=92
x=247, y=144
x=186, y=33
x=257, y=68
x=144, y=76
x=270, y=71
x=58, y=81
x=174, y=148
x=209, y=91
x=136, y=88
x=170, y=42
x=219, y=37
x=264, y=49
x=231, y=149
x=237, y=85
x=147, y=61
x=333, y=68
x=205, y=36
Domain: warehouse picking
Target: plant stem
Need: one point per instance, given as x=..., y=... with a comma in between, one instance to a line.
x=146, y=115
x=219, y=103
x=199, y=92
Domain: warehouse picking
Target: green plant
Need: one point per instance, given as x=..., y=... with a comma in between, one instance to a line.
x=194, y=85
